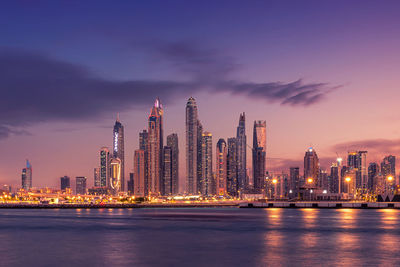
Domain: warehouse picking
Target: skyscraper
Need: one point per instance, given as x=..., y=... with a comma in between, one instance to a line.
x=311, y=168
x=104, y=166
x=221, y=163
x=131, y=182
x=27, y=176
x=294, y=181
x=155, y=149
x=167, y=171
x=199, y=152
x=232, y=167
x=96, y=177
x=373, y=171
x=65, y=183
x=334, y=178
x=115, y=175
x=241, y=152
x=172, y=142
x=144, y=145
x=139, y=173
x=192, y=124
x=388, y=166
x=357, y=160
x=80, y=185
x=118, y=149
x=206, y=182
x=259, y=154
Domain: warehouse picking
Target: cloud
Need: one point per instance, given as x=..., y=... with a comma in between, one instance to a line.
x=37, y=88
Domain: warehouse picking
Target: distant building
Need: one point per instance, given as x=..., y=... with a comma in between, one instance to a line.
x=333, y=184
x=311, y=168
x=155, y=149
x=294, y=182
x=140, y=187
x=131, y=183
x=65, y=183
x=115, y=175
x=144, y=145
x=199, y=159
x=167, y=171
x=104, y=166
x=357, y=160
x=172, y=142
x=373, y=171
x=27, y=176
x=241, y=139
x=97, y=177
x=259, y=155
x=191, y=123
x=80, y=185
x=118, y=150
x=388, y=166
x=207, y=170
x=232, y=173
x=221, y=164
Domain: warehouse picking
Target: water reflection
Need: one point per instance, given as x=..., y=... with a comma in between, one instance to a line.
x=388, y=218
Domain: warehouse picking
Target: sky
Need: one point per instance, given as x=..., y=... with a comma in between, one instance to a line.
x=321, y=73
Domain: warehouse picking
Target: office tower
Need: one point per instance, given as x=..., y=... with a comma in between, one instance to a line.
x=115, y=175
x=357, y=160
x=96, y=177
x=241, y=152
x=294, y=182
x=27, y=176
x=221, y=164
x=259, y=155
x=199, y=152
x=167, y=171
x=172, y=142
x=373, y=171
x=206, y=182
x=140, y=173
x=131, y=183
x=311, y=168
x=144, y=145
x=155, y=149
x=118, y=149
x=388, y=166
x=232, y=167
x=323, y=182
x=192, y=124
x=104, y=166
x=334, y=178
x=65, y=183
x=80, y=185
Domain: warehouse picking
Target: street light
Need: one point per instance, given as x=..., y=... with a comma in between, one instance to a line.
x=390, y=178
x=348, y=179
x=310, y=180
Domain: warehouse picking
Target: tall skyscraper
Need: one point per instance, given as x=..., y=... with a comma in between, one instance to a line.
x=65, y=183
x=311, y=168
x=192, y=124
x=206, y=182
x=96, y=177
x=155, y=149
x=167, y=171
x=199, y=152
x=259, y=154
x=104, y=166
x=139, y=173
x=221, y=163
x=131, y=184
x=357, y=160
x=144, y=145
x=388, y=166
x=172, y=142
x=241, y=152
x=27, y=176
x=118, y=149
x=294, y=181
x=232, y=167
x=80, y=185
x=115, y=175
x=334, y=178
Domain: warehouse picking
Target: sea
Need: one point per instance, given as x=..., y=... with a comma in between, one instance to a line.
x=199, y=237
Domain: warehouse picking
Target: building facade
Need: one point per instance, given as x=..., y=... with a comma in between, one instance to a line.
x=104, y=166
x=259, y=155
x=80, y=185
x=221, y=170
x=191, y=124
x=232, y=172
x=139, y=183
x=241, y=139
x=172, y=142
x=26, y=176
x=65, y=183
x=155, y=149
x=118, y=149
x=206, y=183
x=311, y=168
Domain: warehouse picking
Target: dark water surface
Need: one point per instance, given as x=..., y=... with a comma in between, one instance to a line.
x=199, y=237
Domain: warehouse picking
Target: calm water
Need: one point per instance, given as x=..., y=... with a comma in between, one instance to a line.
x=199, y=237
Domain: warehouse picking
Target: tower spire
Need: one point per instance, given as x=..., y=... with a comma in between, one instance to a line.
x=118, y=117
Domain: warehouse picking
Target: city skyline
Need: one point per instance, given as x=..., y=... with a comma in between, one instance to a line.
x=348, y=64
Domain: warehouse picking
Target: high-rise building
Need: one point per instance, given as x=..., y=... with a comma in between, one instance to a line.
x=27, y=176
x=192, y=124
x=199, y=152
x=311, y=168
x=65, y=183
x=388, y=166
x=221, y=164
x=115, y=175
x=118, y=149
x=232, y=167
x=97, y=177
x=104, y=166
x=259, y=155
x=144, y=145
x=139, y=173
x=155, y=149
x=167, y=171
x=241, y=152
x=131, y=183
x=206, y=182
x=172, y=142
x=373, y=171
x=357, y=160
x=334, y=178
x=81, y=185
x=294, y=182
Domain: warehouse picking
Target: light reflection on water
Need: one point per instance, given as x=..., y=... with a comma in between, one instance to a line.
x=200, y=237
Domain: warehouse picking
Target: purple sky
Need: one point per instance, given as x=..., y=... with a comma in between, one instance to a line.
x=321, y=73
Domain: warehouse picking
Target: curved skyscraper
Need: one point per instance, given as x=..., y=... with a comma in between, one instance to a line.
x=192, y=126
x=155, y=149
x=118, y=148
x=241, y=152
